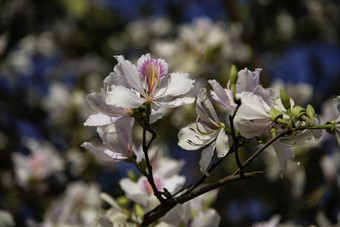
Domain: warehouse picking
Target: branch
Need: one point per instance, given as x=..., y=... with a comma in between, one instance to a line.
x=146, y=147
x=162, y=209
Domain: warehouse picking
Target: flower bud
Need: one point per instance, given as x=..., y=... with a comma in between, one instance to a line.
x=123, y=201
x=298, y=112
x=275, y=114
x=284, y=99
x=273, y=132
x=131, y=175
x=310, y=113
x=139, y=211
x=233, y=80
x=233, y=75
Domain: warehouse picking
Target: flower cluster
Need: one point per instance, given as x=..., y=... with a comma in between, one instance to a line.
x=129, y=87
x=258, y=115
x=254, y=116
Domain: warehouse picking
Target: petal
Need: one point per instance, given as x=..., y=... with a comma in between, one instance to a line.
x=337, y=100
x=283, y=153
x=221, y=95
x=130, y=187
x=118, y=137
x=204, y=218
x=97, y=102
x=163, y=65
x=247, y=80
x=253, y=107
x=168, y=167
x=157, y=112
x=178, y=84
x=190, y=139
x=267, y=95
x=174, y=183
x=206, y=156
x=126, y=74
x=121, y=96
x=100, y=120
x=175, y=103
x=317, y=133
x=337, y=135
x=203, y=98
x=297, y=138
x=109, y=80
x=104, y=155
x=222, y=144
x=249, y=129
x=133, y=191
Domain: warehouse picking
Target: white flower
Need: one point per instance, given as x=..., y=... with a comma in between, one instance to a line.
x=6, y=219
x=165, y=173
x=114, y=216
x=141, y=191
x=195, y=212
x=208, y=133
x=77, y=207
x=247, y=81
x=253, y=116
x=43, y=161
x=117, y=140
x=148, y=82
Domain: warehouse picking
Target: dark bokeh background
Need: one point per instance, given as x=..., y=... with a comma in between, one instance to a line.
x=53, y=53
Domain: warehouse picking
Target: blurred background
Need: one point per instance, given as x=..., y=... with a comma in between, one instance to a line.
x=54, y=53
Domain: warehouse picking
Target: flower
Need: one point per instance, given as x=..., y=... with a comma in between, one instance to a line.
x=165, y=174
x=141, y=191
x=195, y=212
x=115, y=215
x=247, y=81
x=208, y=132
x=148, y=82
x=43, y=162
x=76, y=207
x=117, y=140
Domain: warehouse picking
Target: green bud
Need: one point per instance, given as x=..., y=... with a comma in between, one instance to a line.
x=233, y=75
x=284, y=99
x=275, y=114
x=298, y=112
x=233, y=80
x=131, y=175
x=122, y=200
x=310, y=113
x=273, y=132
x=139, y=211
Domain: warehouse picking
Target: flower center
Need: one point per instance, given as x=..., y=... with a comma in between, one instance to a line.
x=152, y=71
x=146, y=186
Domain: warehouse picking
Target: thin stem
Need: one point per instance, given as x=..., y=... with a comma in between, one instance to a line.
x=235, y=138
x=315, y=127
x=146, y=147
